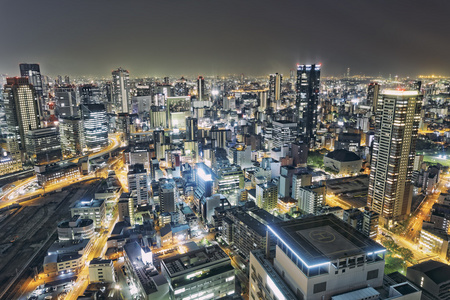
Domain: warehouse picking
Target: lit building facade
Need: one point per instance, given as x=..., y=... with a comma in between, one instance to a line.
x=44, y=145
x=307, y=102
x=121, y=90
x=71, y=131
x=267, y=195
x=397, y=124
x=95, y=126
x=21, y=108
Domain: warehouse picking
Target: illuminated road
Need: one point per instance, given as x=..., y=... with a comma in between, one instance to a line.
x=333, y=200
x=17, y=193
x=423, y=212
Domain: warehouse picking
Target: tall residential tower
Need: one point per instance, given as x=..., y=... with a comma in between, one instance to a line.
x=397, y=124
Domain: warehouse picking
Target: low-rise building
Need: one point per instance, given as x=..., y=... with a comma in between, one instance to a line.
x=205, y=273
x=432, y=276
x=145, y=279
x=57, y=264
x=76, y=228
x=90, y=209
x=435, y=241
x=343, y=162
x=101, y=270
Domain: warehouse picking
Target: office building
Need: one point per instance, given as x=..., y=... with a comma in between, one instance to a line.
x=145, y=280
x=316, y=258
x=435, y=241
x=267, y=196
x=21, y=108
x=191, y=129
x=44, y=145
x=241, y=155
x=432, y=276
x=167, y=198
x=95, y=126
x=71, y=130
x=33, y=73
x=90, y=94
x=58, y=264
x=76, y=228
x=125, y=206
x=311, y=198
x=9, y=162
x=121, y=91
x=308, y=85
x=138, y=184
x=200, y=274
x=397, y=124
x=204, y=181
x=67, y=101
x=373, y=91
x=101, y=270
x=284, y=132
x=201, y=88
x=90, y=209
x=220, y=137
x=365, y=221
x=275, y=81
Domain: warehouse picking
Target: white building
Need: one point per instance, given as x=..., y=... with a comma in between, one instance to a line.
x=311, y=198
x=101, y=270
x=316, y=258
x=201, y=274
x=76, y=228
x=90, y=209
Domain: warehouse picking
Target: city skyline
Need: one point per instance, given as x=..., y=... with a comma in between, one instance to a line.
x=227, y=37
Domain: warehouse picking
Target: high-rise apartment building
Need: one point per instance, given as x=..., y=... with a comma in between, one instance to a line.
x=138, y=185
x=397, y=124
x=267, y=195
x=311, y=198
x=121, y=90
x=308, y=84
x=95, y=125
x=33, y=72
x=21, y=108
x=275, y=81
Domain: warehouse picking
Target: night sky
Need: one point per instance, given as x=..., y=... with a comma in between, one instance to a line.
x=218, y=37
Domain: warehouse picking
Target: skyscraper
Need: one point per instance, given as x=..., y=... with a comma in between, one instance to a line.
x=267, y=195
x=275, y=90
x=191, y=129
x=72, y=136
x=308, y=84
x=200, y=88
x=95, y=125
x=372, y=95
x=33, y=72
x=21, y=108
x=397, y=122
x=67, y=101
x=121, y=90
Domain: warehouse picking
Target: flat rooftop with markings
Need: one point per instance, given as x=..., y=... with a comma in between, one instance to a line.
x=323, y=239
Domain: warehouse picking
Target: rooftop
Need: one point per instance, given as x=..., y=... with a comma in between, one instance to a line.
x=184, y=262
x=437, y=271
x=343, y=155
x=88, y=203
x=322, y=239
